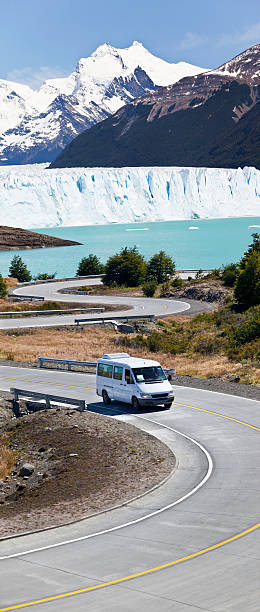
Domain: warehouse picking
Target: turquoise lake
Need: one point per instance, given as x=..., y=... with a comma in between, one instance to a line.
x=213, y=243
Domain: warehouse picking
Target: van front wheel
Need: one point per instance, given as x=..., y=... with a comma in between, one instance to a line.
x=106, y=398
x=135, y=403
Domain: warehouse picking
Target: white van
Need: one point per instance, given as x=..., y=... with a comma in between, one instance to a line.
x=140, y=382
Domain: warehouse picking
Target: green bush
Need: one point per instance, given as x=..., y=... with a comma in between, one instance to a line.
x=246, y=331
x=125, y=268
x=229, y=274
x=177, y=282
x=89, y=266
x=149, y=288
x=44, y=276
x=3, y=287
x=165, y=288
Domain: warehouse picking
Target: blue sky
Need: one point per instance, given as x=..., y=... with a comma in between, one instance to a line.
x=41, y=39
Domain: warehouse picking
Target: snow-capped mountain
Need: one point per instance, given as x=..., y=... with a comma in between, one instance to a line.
x=32, y=197
x=210, y=119
x=36, y=125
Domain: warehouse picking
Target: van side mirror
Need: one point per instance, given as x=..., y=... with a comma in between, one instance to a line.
x=169, y=377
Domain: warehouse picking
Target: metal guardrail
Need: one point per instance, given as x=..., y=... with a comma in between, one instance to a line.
x=92, y=364
x=109, y=319
x=68, y=362
x=73, y=292
x=30, y=298
x=47, y=398
x=36, y=313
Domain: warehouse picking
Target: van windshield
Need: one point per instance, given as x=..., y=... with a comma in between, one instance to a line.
x=149, y=375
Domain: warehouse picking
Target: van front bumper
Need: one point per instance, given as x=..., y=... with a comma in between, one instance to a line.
x=158, y=401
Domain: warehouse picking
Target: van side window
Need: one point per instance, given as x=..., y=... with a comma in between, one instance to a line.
x=128, y=377
x=104, y=370
x=118, y=373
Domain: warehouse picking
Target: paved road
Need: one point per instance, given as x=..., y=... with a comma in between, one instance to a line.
x=50, y=291
x=155, y=530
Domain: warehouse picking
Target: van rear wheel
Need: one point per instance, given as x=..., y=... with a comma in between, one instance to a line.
x=135, y=403
x=106, y=398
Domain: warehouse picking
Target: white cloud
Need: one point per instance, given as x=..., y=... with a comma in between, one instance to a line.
x=250, y=36
x=34, y=78
x=191, y=40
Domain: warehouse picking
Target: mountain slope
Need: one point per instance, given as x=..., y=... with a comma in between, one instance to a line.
x=211, y=119
x=37, y=125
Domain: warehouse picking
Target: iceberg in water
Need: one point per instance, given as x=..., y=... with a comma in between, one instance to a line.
x=32, y=196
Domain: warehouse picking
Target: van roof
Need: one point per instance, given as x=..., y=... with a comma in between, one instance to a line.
x=125, y=359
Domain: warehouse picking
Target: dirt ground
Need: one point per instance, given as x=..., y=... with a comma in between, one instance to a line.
x=82, y=463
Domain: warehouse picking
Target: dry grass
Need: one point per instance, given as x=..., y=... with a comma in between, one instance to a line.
x=90, y=343
x=10, y=282
x=7, y=458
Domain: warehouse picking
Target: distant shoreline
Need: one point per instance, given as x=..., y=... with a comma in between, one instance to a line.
x=16, y=238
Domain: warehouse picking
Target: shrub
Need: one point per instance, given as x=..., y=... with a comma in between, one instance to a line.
x=3, y=287
x=125, y=268
x=149, y=288
x=160, y=267
x=18, y=269
x=90, y=265
x=177, y=282
x=165, y=288
x=246, y=331
x=229, y=274
x=44, y=276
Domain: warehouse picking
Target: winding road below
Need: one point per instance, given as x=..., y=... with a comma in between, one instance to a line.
x=140, y=306
x=190, y=545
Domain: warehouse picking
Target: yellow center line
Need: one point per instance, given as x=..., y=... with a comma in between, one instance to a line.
x=131, y=576
x=223, y=416
x=44, y=382
x=159, y=567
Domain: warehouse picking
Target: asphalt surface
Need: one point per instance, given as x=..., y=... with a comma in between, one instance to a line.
x=200, y=527
x=50, y=291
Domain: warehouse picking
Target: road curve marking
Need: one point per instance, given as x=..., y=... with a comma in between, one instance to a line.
x=138, y=575
x=150, y=570
x=140, y=519
x=223, y=416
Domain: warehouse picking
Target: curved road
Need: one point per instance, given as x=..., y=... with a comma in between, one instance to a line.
x=191, y=545
x=50, y=291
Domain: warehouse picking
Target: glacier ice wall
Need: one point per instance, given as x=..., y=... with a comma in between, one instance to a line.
x=32, y=196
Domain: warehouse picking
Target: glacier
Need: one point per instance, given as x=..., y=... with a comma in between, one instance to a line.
x=33, y=196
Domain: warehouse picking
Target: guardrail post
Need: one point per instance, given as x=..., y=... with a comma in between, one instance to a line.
x=47, y=399
x=69, y=365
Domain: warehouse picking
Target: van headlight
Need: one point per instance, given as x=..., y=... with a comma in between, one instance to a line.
x=145, y=396
x=171, y=394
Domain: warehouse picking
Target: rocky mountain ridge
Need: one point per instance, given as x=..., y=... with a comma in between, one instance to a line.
x=210, y=119
x=36, y=125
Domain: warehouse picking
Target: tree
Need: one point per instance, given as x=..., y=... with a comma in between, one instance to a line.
x=3, y=287
x=247, y=285
x=160, y=267
x=229, y=274
x=90, y=265
x=18, y=269
x=125, y=268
